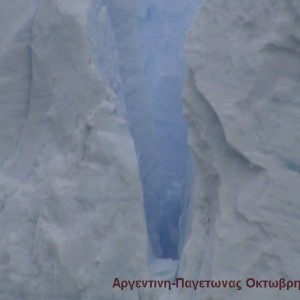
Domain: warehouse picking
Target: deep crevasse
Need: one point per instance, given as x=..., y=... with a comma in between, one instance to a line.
x=71, y=202
x=150, y=64
x=162, y=30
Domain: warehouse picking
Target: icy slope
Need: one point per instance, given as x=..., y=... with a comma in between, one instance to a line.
x=71, y=206
x=243, y=109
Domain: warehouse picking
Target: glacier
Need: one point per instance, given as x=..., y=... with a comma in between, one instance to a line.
x=162, y=27
x=72, y=216
x=96, y=177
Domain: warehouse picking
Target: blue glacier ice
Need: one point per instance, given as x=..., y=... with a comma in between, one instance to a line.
x=162, y=30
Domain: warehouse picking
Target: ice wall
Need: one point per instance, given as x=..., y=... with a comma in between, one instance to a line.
x=242, y=104
x=71, y=205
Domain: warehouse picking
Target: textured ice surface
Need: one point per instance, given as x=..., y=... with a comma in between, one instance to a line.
x=243, y=108
x=71, y=210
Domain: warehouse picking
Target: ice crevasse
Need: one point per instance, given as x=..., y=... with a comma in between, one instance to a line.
x=71, y=183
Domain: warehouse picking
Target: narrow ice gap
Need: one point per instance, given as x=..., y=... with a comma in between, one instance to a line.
x=162, y=28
